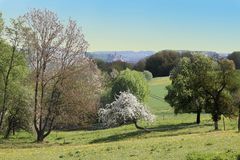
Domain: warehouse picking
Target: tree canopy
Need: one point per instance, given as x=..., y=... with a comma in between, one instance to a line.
x=53, y=48
x=161, y=63
x=235, y=57
x=185, y=93
x=132, y=81
x=202, y=82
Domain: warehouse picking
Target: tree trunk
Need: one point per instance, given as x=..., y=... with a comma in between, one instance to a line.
x=215, y=119
x=13, y=127
x=4, y=103
x=198, y=120
x=216, y=124
x=43, y=133
x=224, y=126
x=13, y=131
x=216, y=113
x=139, y=127
x=9, y=128
x=6, y=136
x=40, y=136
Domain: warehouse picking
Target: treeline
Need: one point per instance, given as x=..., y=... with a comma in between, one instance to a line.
x=161, y=63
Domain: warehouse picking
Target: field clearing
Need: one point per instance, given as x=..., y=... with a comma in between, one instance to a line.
x=175, y=137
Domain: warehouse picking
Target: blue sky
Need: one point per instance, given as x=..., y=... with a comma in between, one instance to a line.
x=146, y=24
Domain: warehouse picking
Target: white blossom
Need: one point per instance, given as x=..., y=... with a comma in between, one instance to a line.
x=125, y=109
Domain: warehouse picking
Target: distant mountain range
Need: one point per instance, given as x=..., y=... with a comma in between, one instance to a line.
x=135, y=56
x=126, y=56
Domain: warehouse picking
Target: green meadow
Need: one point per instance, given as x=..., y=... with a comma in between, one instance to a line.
x=174, y=137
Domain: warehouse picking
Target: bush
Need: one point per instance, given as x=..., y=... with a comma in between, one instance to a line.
x=132, y=81
x=148, y=75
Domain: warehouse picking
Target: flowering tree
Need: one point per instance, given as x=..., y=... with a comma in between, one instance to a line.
x=125, y=109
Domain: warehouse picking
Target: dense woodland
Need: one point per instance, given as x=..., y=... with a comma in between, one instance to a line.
x=48, y=83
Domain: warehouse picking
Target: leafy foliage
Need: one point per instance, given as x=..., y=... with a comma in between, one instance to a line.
x=131, y=81
x=161, y=63
x=14, y=94
x=185, y=93
x=148, y=75
x=18, y=115
x=201, y=82
x=217, y=83
x=111, y=66
x=235, y=57
x=140, y=66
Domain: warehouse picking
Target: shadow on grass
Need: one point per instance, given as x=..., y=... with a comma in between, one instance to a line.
x=161, y=128
x=173, y=127
x=118, y=137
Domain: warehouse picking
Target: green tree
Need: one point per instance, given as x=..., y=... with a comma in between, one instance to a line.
x=185, y=94
x=110, y=66
x=11, y=62
x=148, y=75
x=120, y=66
x=235, y=57
x=15, y=107
x=216, y=84
x=18, y=115
x=140, y=65
x=161, y=63
x=235, y=92
x=132, y=81
x=199, y=82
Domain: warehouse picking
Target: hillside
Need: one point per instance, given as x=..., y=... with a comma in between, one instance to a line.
x=175, y=137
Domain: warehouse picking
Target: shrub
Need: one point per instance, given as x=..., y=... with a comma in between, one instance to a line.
x=148, y=75
x=131, y=81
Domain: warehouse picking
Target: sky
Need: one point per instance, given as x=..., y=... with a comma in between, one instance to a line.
x=113, y=25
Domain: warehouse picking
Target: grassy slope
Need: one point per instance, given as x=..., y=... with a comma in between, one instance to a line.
x=175, y=137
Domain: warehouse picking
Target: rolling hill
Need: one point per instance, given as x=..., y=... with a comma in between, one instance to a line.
x=175, y=137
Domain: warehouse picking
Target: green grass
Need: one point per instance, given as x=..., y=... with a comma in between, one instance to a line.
x=174, y=137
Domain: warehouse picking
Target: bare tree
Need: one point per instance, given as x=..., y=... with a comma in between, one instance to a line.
x=80, y=96
x=53, y=49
